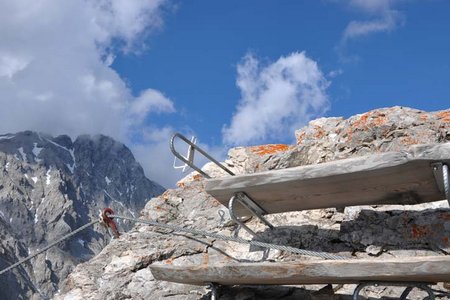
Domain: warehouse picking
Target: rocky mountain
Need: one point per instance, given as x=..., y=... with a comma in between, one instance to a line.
x=50, y=186
x=120, y=270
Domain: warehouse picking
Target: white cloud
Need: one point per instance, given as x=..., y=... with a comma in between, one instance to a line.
x=11, y=64
x=377, y=16
x=335, y=73
x=389, y=21
x=55, y=73
x=276, y=99
x=383, y=18
x=54, y=60
x=155, y=156
x=128, y=20
x=150, y=101
x=371, y=6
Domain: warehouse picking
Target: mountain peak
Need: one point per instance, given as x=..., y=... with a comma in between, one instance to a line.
x=50, y=186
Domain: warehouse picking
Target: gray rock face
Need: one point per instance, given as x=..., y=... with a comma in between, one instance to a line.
x=121, y=270
x=50, y=186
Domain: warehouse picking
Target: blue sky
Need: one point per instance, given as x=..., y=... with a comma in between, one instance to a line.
x=231, y=72
x=194, y=59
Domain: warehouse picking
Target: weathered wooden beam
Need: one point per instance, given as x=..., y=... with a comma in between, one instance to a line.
x=386, y=178
x=421, y=269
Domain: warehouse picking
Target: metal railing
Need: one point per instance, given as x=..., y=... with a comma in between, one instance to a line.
x=190, y=159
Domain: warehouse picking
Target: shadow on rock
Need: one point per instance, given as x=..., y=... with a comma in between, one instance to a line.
x=387, y=230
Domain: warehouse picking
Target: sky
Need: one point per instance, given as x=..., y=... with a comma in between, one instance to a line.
x=232, y=73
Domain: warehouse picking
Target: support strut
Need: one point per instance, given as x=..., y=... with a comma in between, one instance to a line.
x=251, y=206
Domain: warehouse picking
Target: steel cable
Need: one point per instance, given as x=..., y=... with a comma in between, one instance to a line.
x=234, y=239
x=49, y=246
x=186, y=230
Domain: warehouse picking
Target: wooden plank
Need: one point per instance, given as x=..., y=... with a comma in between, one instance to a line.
x=423, y=269
x=385, y=178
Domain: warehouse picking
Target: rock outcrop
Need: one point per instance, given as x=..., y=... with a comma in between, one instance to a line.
x=121, y=270
x=50, y=186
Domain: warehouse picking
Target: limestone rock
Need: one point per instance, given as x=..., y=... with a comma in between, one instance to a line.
x=121, y=270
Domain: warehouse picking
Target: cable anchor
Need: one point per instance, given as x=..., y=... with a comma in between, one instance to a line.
x=108, y=221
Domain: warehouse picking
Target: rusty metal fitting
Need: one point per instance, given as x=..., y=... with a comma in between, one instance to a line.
x=108, y=221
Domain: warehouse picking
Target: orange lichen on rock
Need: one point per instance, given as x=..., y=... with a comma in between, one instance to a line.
x=165, y=195
x=362, y=121
x=158, y=208
x=379, y=120
x=445, y=216
x=301, y=137
x=419, y=231
x=320, y=133
x=424, y=117
x=366, y=121
x=197, y=177
x=215, y=203
x=444, y=115
x=181, y=184
x=269, y=149
x=407, y=140
x=370, y=119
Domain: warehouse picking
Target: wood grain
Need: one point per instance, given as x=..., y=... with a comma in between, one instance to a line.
x=385, y=178
x=423, y=269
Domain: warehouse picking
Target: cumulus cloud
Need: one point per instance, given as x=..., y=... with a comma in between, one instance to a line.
x=276, y=98
x=54, y=76
x=55, y=73
x=150, y=101
x=125, y=21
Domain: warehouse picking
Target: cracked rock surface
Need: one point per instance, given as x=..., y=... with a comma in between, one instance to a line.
x=121, y=270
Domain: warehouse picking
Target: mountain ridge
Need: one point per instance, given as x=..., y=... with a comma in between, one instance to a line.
x=50, y=186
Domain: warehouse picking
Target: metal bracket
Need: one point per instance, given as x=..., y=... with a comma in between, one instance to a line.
x=250, y=205
x=241, y=197
x=409, y=286
x=189, y=156
x=440, y=171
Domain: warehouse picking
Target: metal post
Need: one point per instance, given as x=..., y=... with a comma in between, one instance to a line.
x=440, y=171
x=214, y=291
x=446, y=182
x=409, y=286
